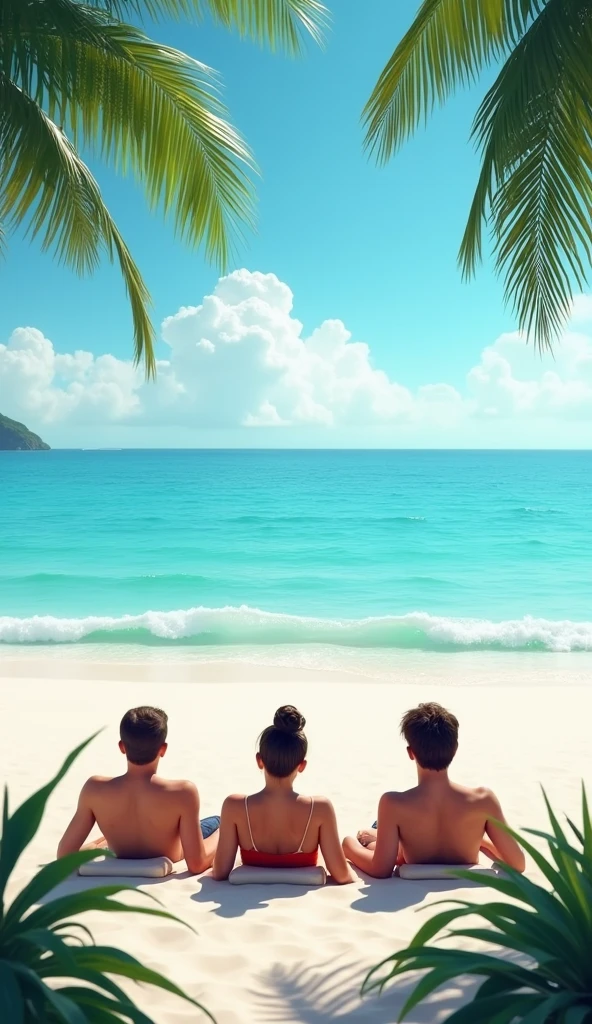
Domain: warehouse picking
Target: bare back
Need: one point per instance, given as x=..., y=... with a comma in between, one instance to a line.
x=139, y=817
x=280, y=826
x=442, y=825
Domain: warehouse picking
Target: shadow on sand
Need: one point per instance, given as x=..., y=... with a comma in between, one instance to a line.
x=327, y=994
x=387, y=895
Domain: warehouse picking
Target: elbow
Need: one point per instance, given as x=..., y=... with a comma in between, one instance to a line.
x=197, y=866
x=382, y=873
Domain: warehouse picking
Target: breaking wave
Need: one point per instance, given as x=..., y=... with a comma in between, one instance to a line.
x=245, y=625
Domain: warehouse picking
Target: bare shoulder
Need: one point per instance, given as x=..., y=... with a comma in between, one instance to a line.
x=394, y=799
x=484, y=797
x=323, y=806
x=182, y=789
x=233, y=803
x=96, y=783
x=235, y=799
x=96, y=790
x=175, y=785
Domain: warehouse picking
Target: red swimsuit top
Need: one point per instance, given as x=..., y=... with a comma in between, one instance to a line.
x=256, y=858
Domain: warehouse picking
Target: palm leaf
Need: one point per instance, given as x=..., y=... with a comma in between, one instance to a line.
x=19, y=829
x=536, y=176
x=40, y=944
x=551, y=932
x=11, y=1004
x=448, y=44
x=47, y=878
x=44, y=182
x=283, y=24
x=534, y=129
x=108, y=82
x=149, y=110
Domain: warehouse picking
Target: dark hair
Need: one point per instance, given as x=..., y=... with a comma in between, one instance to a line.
x=143, y=732
x=432, y=734
x=283, y=745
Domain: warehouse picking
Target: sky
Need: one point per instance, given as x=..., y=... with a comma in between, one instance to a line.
x=343, y=320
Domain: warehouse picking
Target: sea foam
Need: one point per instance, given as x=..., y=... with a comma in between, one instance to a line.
x=245, y=625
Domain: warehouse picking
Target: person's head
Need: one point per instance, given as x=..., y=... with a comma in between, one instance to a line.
x=283, y=745
x=143, y=733
x=431, y=733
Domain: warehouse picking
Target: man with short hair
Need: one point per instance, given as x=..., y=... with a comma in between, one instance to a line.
x=438, y=821
x=139, y=813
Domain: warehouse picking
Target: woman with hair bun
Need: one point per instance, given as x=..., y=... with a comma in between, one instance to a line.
x=278, y=827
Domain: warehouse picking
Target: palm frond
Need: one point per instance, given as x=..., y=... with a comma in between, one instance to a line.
x=448, y=44
x=535, y=131
x=548, y=934
x=45, y=184
x=149, y=110
x=282, y=24
x=40, y=946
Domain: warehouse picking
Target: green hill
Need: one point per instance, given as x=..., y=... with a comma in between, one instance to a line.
x=16, y=437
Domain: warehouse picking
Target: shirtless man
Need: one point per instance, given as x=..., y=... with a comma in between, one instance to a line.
x=140, y=814
x=438, y=821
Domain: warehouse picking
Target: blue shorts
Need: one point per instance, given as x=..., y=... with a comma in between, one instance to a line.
x=375, y=825
x=209, y=825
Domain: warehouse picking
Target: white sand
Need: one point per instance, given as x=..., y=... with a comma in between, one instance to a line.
x=279, y=954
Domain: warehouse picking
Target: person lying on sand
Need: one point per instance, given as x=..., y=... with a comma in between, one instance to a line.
x=278, y=827
x=438, y=821
x=139, y=813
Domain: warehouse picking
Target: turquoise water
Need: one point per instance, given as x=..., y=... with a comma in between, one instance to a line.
x=412, y=549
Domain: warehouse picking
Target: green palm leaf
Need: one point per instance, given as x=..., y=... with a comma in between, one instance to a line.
x=448, y=44
x=42, y=945
x=534, y=129
x=550, y=931
x=536, y=176
x=19, y=829
x=41, y=175
x=280, y=23
x=146, y=109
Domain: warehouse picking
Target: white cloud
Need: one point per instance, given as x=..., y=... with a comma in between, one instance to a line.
x=240, y=359
x=505, y=382
x=581, y=311
x=47, y=387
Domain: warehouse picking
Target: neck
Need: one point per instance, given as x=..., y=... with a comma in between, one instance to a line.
x=279, y=786
x=431, y=779
x=142, y=771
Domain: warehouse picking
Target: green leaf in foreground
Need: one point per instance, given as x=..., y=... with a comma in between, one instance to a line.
x=543, y=974
x=51, y=971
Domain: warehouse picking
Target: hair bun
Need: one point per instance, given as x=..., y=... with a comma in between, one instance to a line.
x=289, y=719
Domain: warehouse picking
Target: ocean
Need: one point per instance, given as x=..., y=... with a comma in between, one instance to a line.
x=370, y=551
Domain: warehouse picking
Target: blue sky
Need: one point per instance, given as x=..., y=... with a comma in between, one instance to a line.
x=373, y=247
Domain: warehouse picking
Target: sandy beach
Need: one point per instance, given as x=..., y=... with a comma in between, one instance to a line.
x=277, y=953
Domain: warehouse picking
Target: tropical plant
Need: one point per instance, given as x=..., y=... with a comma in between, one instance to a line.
x=41, y=944
x=547, y=976
x=72, y=74
x=534, y=130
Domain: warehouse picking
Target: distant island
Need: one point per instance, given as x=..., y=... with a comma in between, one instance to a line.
x=15, y=437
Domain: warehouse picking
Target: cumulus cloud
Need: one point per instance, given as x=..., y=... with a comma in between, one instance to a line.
x=503, y=384
x=39, y=383
x=241, y=359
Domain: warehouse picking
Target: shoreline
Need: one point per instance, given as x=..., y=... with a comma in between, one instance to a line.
x=266, y=663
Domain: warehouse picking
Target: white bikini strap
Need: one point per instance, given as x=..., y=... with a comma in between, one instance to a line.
x=299, y=850
x=249, y=824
